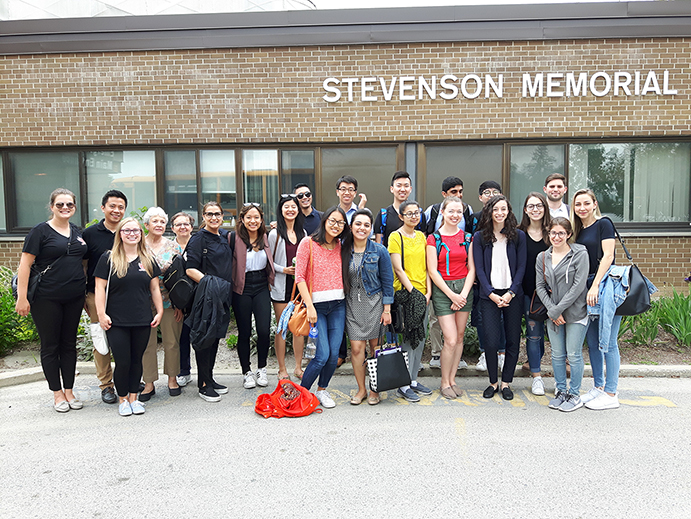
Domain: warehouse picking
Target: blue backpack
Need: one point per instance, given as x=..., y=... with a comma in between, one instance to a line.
x=439, y=243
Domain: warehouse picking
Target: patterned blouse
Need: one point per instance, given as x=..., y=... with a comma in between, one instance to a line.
x=164, y=257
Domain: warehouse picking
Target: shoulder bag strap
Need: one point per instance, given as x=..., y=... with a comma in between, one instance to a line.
x=110, y=273
x=67, y=251
x=402, y=255
x=616, y=233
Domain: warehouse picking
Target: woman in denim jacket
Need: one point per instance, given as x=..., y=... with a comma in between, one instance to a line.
x=371, y=294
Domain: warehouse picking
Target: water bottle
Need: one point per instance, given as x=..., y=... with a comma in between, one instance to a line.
x=311, y=344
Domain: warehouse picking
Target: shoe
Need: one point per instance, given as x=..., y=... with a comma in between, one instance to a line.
x=421, y=390
x=325, y=399
x=557, y=400
x=538, y=386
x=249, y=382
x=62, y=407
x=75, y=404
x=457, y=390
x=209, y=394
x=481, y=363
x=448, y=392
x=145, y=397
x=490, y=391
x=141, y=387
x=462, y=364
x=283, y=377
x=108, y=395
x=357, y=400
x=137, y=407
x=506, y=393
x=373, y=400
x=435, y=362
x=571, y=403
x=340, y=362
x=125, y=409
x=174, y=391
x=262, y=379
x=604, y=401
x=408, y=394
x=591, y=395
x=219, y=388
x=298, y=374
x=183, y=380
x=500, y=361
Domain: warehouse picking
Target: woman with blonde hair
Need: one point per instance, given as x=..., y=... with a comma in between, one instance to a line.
x=126, y=285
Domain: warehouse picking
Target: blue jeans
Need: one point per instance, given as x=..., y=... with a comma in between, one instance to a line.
x=567, y=339
x=534, y=338
x=331, y=317
x=598, y=359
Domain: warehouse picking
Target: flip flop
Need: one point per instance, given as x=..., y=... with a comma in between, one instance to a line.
x=299, y=374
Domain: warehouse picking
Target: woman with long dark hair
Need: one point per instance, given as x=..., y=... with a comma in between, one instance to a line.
x=535, y=225
x=59, y=299
x=126, y=285
x=500, y=261
x=321, y=273
x=283, y=243
x=253, y=272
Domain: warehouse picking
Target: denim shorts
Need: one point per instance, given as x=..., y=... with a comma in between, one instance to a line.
x=442, y=304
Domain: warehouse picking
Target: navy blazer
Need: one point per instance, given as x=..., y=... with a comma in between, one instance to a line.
x=517, y=253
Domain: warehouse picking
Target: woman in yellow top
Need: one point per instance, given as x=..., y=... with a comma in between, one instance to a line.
x=410, y=269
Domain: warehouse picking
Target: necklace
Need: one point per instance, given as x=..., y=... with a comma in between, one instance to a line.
x=407, y=235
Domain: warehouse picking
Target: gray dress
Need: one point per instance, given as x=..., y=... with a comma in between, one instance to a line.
x=363, y=312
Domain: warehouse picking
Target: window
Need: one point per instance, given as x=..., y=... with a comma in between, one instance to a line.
x=530, y=166
x=132, y=172
x=260, y=178
x=635, y=182
x=3, y=222
x=473, y=164
x=217, y=170
x=36, y=175
x=372, y=167
x=297, y=167
x=180, y=173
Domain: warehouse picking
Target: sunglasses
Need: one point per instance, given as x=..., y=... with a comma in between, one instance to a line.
x=60, y=205
x=253, y=204
x=306, y=194
x=291, y=195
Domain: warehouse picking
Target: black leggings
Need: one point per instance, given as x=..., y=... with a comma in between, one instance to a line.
x=255, y=300
x=128, y=344
x=492, y=317
x=57, y=322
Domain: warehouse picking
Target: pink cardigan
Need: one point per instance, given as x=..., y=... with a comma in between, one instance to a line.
x=327, y=283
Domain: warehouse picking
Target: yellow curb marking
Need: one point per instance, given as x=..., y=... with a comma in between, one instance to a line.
x=541, y=400
x=649, y=401
x=429, y=399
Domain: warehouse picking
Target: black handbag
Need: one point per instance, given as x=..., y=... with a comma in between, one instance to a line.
x=36, y=276
x=180, y=287
x=388, y=369
x=537, y=310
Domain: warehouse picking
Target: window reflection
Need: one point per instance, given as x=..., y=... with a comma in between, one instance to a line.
x=530, y=166
x=180, y=173
x=217, y=170
x=260, y=178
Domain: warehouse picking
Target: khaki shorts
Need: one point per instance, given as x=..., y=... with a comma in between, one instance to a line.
x=442, y=304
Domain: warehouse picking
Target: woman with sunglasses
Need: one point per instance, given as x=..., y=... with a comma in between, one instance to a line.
x=283, y=243
x=55, y=245
x=253, y=273
x=561, y=276
x=321, y=273
x=126, y=284
x=368, y=303
x=208, y=253
x=500, y=263
x=182, y=224
x=535, y=225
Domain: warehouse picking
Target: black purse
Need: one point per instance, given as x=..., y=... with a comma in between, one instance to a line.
x=537, y=310
x=36, y=276
x=388, y=369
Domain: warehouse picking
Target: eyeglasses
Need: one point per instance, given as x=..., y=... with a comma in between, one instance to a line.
x=530, y=207
x=253, y=204
x=183, y=224
x=560, y=234
x=213, y=215
x=60, y=205
x=412, y=214
x=347, y=190
x=335, y=223
x=491, y=192
x=131, y=232
x=290, y=195
x=306, y=194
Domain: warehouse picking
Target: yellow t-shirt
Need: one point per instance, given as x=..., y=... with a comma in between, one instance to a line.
x=414, y=259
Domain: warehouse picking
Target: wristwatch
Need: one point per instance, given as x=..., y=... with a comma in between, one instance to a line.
x=513, y=294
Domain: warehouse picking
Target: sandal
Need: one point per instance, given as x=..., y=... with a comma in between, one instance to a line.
x=298, y=374
x=357, y=400
x=373, y=400
x=283, y=377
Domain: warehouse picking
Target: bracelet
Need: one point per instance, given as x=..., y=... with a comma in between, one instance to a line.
x=386, y=312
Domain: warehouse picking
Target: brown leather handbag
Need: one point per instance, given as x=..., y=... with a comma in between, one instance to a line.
x=298, y=323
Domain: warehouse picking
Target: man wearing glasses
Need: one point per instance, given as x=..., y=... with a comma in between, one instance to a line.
x=346, y=191
x=312, y=217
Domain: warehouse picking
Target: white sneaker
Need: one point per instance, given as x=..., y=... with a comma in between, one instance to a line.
x=604, y=401
x=262, y=379
x=183, y=380
x=500, y=361
x=435, y=362
x=481, y=363
x=249, y=382
x=462, y=364
x=325, y=399
x=591, y=395
x=538, y=386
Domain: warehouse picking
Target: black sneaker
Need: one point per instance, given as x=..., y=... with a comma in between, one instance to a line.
x=108, y=395
x=220, y=388
x=209, y=394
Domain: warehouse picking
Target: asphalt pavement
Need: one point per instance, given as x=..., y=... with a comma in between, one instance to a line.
x=437, y=458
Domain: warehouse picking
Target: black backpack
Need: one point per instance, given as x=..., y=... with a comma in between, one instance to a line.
x=180, y=287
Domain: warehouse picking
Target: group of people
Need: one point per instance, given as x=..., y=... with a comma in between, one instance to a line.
x=440, y=268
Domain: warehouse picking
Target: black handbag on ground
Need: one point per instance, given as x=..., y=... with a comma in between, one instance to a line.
x=537, y=310
x=388, y=369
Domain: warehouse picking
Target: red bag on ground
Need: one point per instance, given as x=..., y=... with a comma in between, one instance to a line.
x=288, y=399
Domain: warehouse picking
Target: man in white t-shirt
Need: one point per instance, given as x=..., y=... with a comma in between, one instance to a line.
x=555, y=189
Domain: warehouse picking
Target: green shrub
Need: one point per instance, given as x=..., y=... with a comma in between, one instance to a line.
x=644, y=327
x=675, y=316
x=13, y=328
